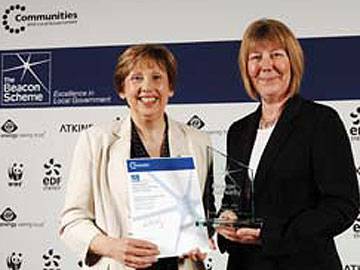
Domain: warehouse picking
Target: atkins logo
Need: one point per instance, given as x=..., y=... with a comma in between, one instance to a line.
x=14, y=261
x=52, y=179
x=25, y=79
x=15, y=173
x=352, y=267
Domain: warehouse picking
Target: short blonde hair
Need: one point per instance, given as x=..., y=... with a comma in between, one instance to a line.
x=273, y=31
x=134, y=54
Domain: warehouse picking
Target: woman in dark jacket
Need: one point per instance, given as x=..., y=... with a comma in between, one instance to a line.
x=305, y=186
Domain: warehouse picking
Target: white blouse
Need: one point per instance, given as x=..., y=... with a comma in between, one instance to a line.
x=262, y=137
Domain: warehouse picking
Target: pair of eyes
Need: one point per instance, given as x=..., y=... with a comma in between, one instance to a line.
x=277, y=54
x=139, y=77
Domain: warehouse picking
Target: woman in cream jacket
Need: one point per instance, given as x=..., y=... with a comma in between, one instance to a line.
x=94, y=220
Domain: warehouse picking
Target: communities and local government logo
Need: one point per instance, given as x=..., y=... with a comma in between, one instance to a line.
x=52, y=178
x=196, y=122
x=15, y=173
x=26, y=78
x=17, y=18
x=355, y=127
x=14, y=261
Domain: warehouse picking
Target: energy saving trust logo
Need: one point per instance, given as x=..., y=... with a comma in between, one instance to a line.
x=7, y=218
x=52, y=179
x=14, y=261
x=355, y=128
x=15, y=173
x=9, y=127
x=16, y=18
x=51, y=260
x=196, y=122
x=8, y=215
x=9, y=130
x=26, y=78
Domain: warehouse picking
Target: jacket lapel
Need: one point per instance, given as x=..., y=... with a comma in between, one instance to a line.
x=279, y=136
x=118, y=152
x=178, y=143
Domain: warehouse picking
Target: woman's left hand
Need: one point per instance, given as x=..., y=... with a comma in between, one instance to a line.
x=243, y=235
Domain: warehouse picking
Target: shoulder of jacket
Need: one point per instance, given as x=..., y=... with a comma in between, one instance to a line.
x=242, y=121
x=319, y=110
x=192, y=132
x=103, y=130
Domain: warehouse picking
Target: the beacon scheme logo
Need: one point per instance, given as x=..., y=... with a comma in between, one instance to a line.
x=26, y=79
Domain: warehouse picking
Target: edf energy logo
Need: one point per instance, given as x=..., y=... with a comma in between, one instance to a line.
x=356, y=227
x=52, y=179
x=26, y=79
x=355, y=128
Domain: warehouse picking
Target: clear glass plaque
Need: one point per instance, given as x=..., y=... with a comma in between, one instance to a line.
x=231, y=189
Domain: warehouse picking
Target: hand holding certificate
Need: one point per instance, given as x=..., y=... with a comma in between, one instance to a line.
x=165, y=202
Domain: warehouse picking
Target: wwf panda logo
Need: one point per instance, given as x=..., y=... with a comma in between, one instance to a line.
x=16, y=171
x=14, y=261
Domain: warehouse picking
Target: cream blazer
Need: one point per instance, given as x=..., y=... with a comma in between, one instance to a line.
x=97, y=190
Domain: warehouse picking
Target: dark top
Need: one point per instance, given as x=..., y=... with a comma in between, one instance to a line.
x=306, y=188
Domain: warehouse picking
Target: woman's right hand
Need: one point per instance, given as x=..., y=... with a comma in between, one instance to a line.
x=131, y=252
x=134, y=253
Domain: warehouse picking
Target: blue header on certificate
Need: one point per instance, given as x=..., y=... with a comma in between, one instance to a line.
x=159, y=164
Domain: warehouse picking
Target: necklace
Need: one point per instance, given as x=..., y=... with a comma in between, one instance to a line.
x=267, y=123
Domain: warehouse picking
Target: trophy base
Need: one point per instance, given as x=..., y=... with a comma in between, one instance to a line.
x=243, y=223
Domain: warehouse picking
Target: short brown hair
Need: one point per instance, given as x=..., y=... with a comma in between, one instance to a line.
x=132, y=55
x=274, y=31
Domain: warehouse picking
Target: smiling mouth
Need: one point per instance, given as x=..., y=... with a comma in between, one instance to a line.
x=148, y=99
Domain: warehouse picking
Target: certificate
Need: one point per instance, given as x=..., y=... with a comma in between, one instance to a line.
x=165, y=203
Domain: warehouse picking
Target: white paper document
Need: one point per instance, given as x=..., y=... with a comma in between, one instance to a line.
x=165, y=202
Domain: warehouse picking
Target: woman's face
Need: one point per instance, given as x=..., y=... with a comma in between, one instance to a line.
x=147, y=90
x=269, y=70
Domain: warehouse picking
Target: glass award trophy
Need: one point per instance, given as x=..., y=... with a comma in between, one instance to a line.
x=230, y=190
